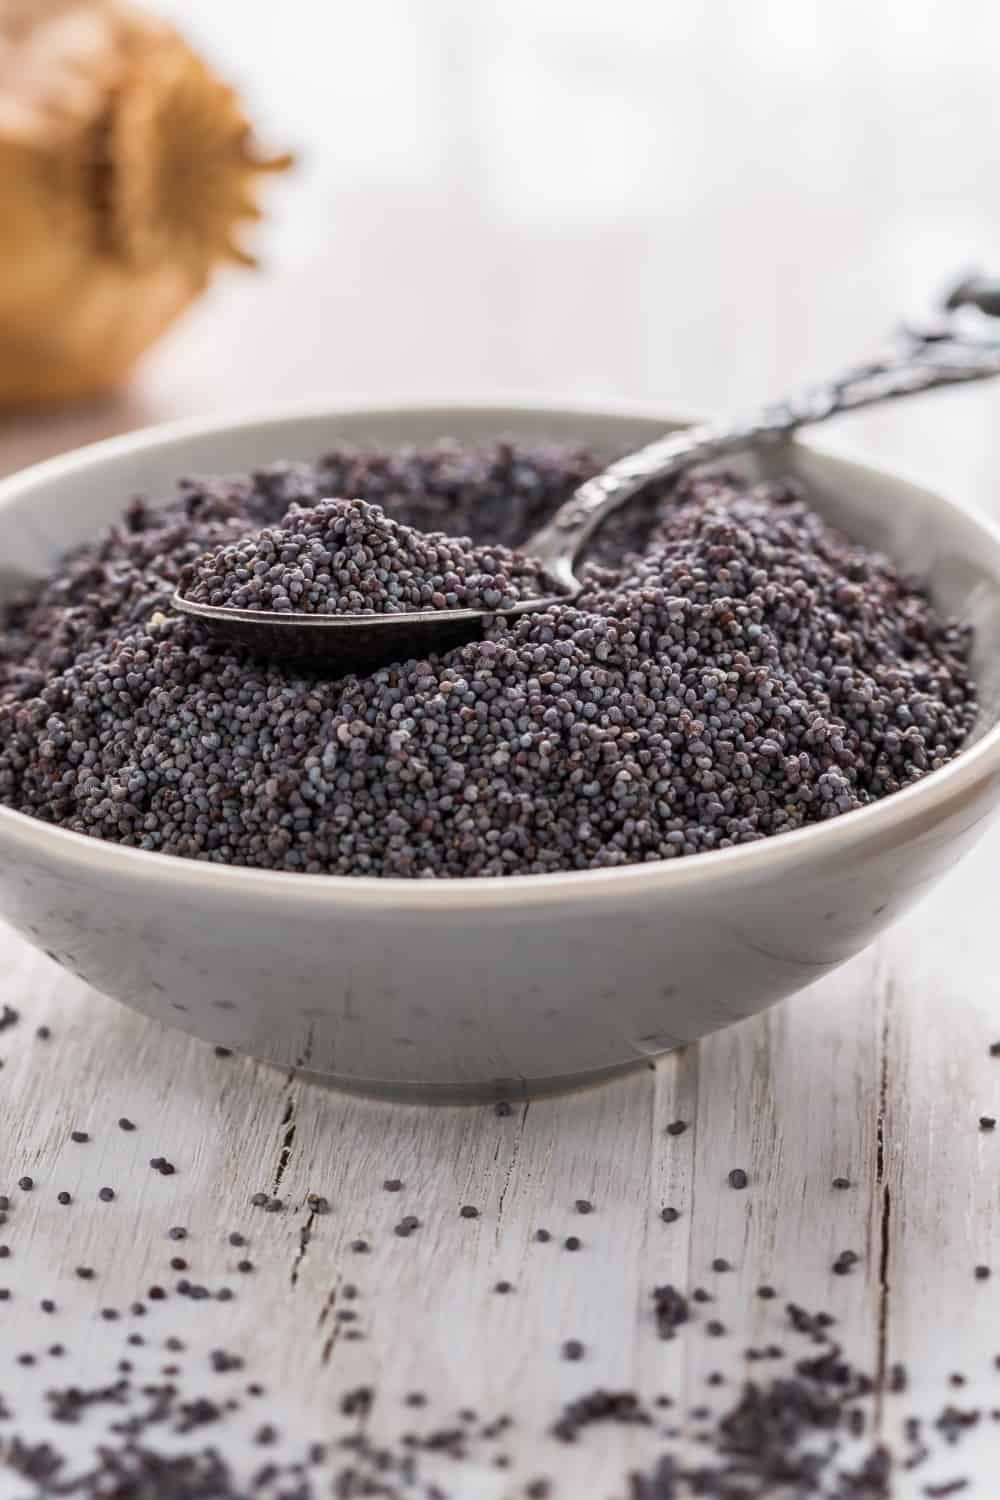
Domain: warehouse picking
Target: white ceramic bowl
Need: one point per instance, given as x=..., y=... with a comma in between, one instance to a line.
x=491, y=987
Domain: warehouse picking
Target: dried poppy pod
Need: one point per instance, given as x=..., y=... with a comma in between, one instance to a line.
x=126, y=171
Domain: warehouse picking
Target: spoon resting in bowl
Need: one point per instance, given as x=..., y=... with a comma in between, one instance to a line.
x=942, y=354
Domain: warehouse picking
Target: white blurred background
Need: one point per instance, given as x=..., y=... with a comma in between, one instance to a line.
x=694, y=205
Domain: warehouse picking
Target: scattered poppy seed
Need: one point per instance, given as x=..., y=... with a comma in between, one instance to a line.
x=677, y=1127
x=79, y=1136
x=671, y=1310
x=468, y=1212
x=245, y=1266
x=502, y=1109
x=392, y=1185
x=63, y=1198
x=571, y=1242
x=982, y=1273
x=720, y=1264
x=125, y=1124
x=259, y=1199
x=25, y=1184
x=178, y=1232
x=85, y=1273
x=841, y=1182
x=584, y=1206
x=669, y=1215
x=572, y=1349
x=178, y=1263
x=987, y=1122
x=106, y=1194
x=542, y=1236
x=503, y=1287
x=845, y=1260
x=738, y=1178
x=236, y=1239
x=43, y=1033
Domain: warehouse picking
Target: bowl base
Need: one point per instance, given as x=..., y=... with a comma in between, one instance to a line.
x=489, y=1091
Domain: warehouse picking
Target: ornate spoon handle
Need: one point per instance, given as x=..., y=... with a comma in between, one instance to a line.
x=921, y=361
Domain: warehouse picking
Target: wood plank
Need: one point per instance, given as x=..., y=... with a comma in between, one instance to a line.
x=942, y=1172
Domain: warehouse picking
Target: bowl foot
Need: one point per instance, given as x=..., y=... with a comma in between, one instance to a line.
x=488, y=1091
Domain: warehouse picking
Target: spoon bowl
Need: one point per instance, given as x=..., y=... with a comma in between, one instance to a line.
x=350, y=643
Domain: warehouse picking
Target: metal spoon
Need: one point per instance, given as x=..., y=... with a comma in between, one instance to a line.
x=941, y=354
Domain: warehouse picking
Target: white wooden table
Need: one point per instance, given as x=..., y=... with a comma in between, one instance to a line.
x=692, y=205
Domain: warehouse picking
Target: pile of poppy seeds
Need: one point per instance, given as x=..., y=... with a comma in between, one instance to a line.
x=734, y=669
x=345, y=557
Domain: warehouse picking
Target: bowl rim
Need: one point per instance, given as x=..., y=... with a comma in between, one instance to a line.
x=931, y=794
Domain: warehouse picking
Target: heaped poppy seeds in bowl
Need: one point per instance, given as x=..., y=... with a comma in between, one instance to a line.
x=735, y=668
